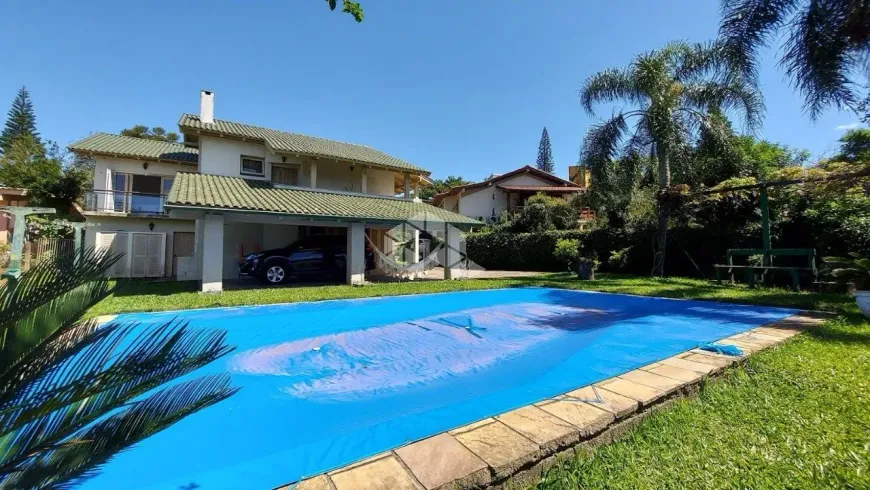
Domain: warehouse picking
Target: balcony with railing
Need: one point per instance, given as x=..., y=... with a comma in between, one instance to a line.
x=130, y=203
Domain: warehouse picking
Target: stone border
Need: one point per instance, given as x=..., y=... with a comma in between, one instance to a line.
x=512, y=450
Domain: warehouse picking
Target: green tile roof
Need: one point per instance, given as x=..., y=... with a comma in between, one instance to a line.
x=128, y=146
x=281, y=141
x=234, y=193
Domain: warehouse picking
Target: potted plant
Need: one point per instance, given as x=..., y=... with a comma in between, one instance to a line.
x=855, y=270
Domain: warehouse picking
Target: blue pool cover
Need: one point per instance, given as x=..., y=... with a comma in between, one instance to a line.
x=325, y=384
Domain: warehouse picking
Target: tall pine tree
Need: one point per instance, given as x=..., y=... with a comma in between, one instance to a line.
x=545, y=154
x=20, y=122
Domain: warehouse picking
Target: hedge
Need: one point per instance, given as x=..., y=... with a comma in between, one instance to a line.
x=518, y=251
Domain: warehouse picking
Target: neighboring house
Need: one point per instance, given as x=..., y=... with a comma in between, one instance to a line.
x=192, y=210
x=484, y=201
x=10, y=196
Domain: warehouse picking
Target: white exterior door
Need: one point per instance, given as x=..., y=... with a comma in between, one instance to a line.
x=144, y=253
x=116, y=244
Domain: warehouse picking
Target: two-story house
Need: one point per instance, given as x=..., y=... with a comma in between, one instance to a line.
x=191, y=210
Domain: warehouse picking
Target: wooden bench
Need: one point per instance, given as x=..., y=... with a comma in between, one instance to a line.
x=767, y=264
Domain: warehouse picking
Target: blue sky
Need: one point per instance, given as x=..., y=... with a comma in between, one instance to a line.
x=458, y=87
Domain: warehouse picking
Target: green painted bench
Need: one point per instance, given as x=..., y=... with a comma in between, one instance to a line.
x=767, y=264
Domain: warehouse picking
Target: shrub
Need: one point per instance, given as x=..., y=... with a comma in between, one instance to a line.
x=567, y=251
x=519, y=251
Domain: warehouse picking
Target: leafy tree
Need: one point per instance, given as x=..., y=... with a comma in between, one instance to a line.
x=545, y=154
x=74, y=394
x=49, y=181
x=442, y=185
x=348, y=7
x=855, y=146
x=675, y=92
x=542, y=212
x=21, y=121
x=155, y=133
x=826, y=47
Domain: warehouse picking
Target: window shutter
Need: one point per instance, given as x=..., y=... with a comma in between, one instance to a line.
x=140, y=254
x=154, y=256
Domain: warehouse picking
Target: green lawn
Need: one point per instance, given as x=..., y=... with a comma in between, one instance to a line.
x=796, y=416
x=151, y=296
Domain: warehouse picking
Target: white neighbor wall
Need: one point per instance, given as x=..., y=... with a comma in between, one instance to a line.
x=480, y=202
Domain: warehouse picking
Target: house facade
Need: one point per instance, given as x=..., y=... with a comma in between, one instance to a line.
x=485, y=201
x=192, y=210
x=10, y=196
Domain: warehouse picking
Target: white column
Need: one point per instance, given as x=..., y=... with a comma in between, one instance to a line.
x=197, y=247
x=416, y=247
x=407, y=185
x=365, y=181
x=213, y=254
x=417, y=188
x=356, y=253
x=451, y=255
x=313, y=175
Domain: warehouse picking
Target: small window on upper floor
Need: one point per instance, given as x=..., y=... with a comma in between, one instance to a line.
x=253, y=166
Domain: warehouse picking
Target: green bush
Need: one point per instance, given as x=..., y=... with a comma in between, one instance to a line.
x=567, y=251
x=519, y=251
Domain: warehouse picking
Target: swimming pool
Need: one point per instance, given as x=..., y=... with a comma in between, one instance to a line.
x=328, y=383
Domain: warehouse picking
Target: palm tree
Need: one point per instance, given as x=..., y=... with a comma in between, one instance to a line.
x=827, y=44
x=72, y=393
x=676, y=93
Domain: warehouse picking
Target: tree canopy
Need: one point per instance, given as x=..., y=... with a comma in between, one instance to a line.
x=855, y=146
x=442, y=185
x=348, y=7
x=545, y=154
x=153, y=133
x=674, y=95
x=21, y=121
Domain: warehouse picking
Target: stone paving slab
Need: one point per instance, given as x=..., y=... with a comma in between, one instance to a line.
x=673, y=372
x=503, y=448
x=588, y=419
x=620, y=406
x=523, y=443
x=443, y=462
x=646, y=378
x=645, y=395
x=541, y=427
x=384, y=473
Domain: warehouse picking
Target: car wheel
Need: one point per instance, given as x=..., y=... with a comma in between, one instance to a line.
x=275, y=274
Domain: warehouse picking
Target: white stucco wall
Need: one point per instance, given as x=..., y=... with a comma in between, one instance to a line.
x=277, y=236
x=130, y=166
x=477, y=203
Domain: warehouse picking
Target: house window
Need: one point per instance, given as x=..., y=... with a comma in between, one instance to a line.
x=167, y=185
x=253, y=166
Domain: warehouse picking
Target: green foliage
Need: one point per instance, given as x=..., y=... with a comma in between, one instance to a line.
x=21, y=121
x=73, y=393
x=852, y=269
x=545, y=154
x=541, y=213
x=349, y=7
x=567, y=251
x=519, y=251
x=824, y=51
x=27, y=164
x=156, y=133
x=675, y=94
x=855, y=146
x=442, y=185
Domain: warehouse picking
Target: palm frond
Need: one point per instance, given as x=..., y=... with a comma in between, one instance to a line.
x=733, y=95
x=819, y=57
x=602, y=142
x=748, y=26
x=80, y=456
x=608, y=86
x=66, y=386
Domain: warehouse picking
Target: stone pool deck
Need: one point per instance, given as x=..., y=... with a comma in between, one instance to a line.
x=512, y=450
